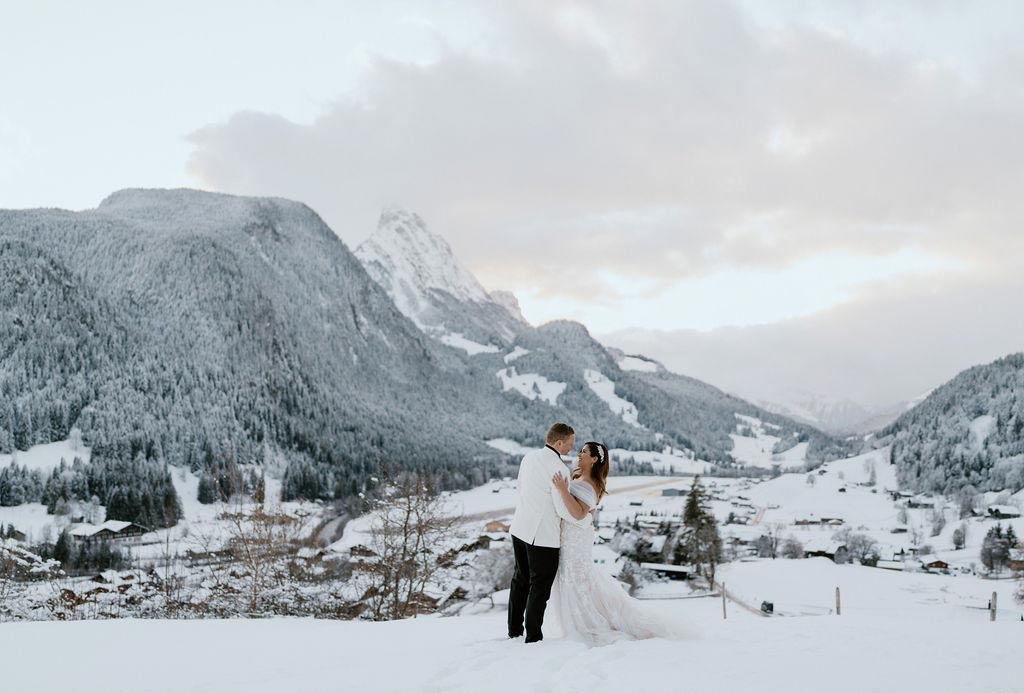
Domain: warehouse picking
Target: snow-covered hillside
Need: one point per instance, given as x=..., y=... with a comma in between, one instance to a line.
x=604, y=388
x=48, y=455
x=530, y=385
x=754, y=445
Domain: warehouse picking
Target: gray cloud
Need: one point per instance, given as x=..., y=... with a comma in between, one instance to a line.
x=895, y=343
x=658, y=139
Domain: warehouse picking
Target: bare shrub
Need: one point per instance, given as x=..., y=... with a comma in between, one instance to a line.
x=408, y=525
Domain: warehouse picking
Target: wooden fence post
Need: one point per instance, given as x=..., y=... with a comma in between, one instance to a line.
x=723, y=600
x=992, y=612
x=837, y=602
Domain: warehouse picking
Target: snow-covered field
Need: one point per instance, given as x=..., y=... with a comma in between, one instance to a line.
x=856, y=652
x=456, y=340
x=633, y=363
x=605, y=389
x=530, y=385
x=47, y=456
x=805, y=587
x=898, y=630
x=756, y=450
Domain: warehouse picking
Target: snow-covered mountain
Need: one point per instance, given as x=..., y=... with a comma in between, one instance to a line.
x=219, y=333
x=839, y=416
x=419, y=271
x=558, y=364
x=213, y=331
x=968, y=432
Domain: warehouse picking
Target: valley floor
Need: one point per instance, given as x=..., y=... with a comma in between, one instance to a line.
x=941, y=649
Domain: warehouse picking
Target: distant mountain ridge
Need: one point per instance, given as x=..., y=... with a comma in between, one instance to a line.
x=839, y=416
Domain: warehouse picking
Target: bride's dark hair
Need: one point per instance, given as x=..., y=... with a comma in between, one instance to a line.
x=599, y=472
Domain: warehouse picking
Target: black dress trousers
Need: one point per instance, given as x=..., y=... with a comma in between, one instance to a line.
x=531, y=586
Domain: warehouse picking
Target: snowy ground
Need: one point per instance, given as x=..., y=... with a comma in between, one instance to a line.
x=806, y=587
x=47, y=456
x=855, y=652
x=898, y=630
x=472, y=348
x=756, y=450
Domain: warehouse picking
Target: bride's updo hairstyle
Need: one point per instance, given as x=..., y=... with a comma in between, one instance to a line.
x=599, y=472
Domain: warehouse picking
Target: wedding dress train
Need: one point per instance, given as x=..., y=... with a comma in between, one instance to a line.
x=591, y=605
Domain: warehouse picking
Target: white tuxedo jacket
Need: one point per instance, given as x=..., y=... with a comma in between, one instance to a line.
x=539, y=507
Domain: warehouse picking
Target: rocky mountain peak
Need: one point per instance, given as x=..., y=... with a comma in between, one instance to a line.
x=418, y=269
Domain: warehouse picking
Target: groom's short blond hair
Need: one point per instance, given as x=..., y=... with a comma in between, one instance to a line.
x=559, y=431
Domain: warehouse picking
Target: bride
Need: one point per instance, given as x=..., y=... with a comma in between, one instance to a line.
x=591, y=605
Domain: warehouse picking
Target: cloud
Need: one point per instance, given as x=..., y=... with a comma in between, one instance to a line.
x=896, y=342
x=655, y=141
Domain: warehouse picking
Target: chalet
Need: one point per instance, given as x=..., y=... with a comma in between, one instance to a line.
x=423, y=603
x=889, y=565
x=673, y=492
x=449, y=557
x=1003, y=512
x=672, y=572
x=113, y=577
x=454, y=597
x=12, y=533
x=842, y=489
x=197, y=558
x=496, y=526
x=832, y=550
x=658, y=543
x=636, y=502
x=1015, y=562
x=111, y=530
x=311, y=554
x=898, y=530
x=934, y=564
x=919, y=502
x=360, y=550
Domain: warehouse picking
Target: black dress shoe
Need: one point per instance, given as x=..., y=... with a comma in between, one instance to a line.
x=515, y=635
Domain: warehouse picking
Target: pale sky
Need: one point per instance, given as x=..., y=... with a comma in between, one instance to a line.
x=656, y=168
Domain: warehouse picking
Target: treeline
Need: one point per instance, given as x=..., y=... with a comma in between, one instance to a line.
x=138, y=490
x=20, y=484
x=305, y=479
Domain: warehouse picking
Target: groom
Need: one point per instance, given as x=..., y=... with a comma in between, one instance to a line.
x=536, y=532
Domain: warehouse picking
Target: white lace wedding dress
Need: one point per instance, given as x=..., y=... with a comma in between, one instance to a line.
x=592, y=606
